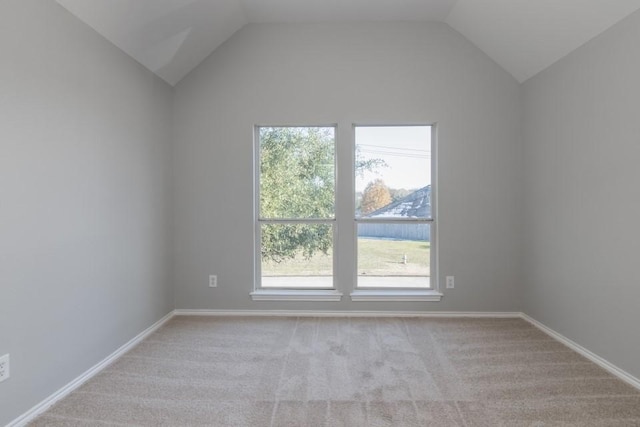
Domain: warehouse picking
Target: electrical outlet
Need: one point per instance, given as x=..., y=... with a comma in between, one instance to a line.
x=450, y=282
x=4, y=367
x=213, y=281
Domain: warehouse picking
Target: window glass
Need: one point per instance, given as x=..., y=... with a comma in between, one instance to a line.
x=296, y=206
x=297, y=172
x=393, y=162
x=393, y=206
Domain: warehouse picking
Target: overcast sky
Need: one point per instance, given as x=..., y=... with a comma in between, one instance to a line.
x=405, y=149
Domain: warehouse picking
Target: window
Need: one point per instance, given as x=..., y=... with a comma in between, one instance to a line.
x=393, y=206
x=387, y=231
x=295, y=207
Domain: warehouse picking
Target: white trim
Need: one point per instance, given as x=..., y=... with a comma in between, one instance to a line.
x=434, y=233
x=41, y=407
x=395, y=295
x=295, y=295
x=323, y=313
x=394, y=220
x=259, y=293
x=603, y=363
x=433, y=228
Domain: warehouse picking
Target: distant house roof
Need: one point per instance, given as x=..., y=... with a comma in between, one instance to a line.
x=414, y=205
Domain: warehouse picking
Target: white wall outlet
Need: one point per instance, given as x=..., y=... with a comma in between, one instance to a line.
x=450, y=282
x=213, y=281
x=4, y=367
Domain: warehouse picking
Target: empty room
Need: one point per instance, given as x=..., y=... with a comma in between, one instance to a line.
x=319, y=213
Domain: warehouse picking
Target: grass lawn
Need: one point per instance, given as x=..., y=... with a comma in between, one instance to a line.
x=376, y=257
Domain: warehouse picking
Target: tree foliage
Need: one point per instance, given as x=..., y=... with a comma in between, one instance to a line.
x=297, y=180
x=376, y=195
x=297, y=173
x=367, y=164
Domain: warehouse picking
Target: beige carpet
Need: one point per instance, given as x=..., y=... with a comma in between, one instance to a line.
x=349, y=372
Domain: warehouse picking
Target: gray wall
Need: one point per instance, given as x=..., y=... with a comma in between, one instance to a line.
x=582, y=151
x=86, y=194
x=345, y=74
x=84, y=206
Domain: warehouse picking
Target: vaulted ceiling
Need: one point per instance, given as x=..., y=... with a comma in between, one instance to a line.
x=171, y=37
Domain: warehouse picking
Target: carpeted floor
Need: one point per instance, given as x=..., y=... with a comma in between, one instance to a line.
x=349, y=372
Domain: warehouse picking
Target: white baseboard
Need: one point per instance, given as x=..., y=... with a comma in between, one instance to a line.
x=603, y=363
x=41, y=407
x=323, y=313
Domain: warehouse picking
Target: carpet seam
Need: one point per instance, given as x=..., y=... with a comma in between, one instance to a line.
x=284, y=366
x=408, y=338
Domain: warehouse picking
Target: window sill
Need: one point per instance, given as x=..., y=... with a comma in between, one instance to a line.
x=295, y=295
x=395, y=295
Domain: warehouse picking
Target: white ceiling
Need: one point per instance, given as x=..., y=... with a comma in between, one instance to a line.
x=526, y=36
x=171, y=37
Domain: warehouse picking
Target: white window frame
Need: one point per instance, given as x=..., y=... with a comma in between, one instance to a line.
x=366, y=294
x=295, y=294
x=341, y=203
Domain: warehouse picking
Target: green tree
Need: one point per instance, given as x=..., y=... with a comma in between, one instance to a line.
x=297, y=180
x=376, y=195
